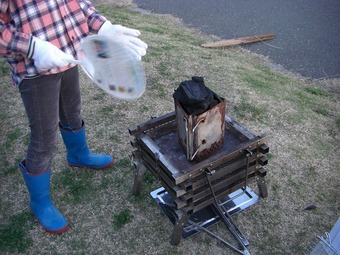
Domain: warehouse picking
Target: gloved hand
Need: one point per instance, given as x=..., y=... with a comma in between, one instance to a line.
x=47, y=56
x=126, y=35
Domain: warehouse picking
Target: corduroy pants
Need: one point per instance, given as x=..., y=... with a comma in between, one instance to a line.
x=48, y=100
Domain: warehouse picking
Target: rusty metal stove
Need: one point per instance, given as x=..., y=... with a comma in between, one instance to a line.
x=196, y=186
x=200, y=135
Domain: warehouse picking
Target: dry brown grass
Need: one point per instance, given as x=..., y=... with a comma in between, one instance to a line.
x=301, y=115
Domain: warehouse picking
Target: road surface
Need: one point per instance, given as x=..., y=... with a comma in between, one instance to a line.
x=307, y=32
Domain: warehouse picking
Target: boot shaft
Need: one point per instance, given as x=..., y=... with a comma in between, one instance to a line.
x=37, y=185
x=78, y=153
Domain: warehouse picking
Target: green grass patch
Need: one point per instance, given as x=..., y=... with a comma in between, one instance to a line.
x=14, y=235
x=158, y=51
x=10, y=168
x=78, y=186
x=248, y=110
x=315, y=91
x=4, y=69
x=115, y=138
x=118, y=16
x=110, y=109
x=12, y=136
x=154, y=30
x=149, y=178
x=263, y=79
x=321, y=111
x=337, y=122
x=122, y=218
x=123, y=163
x=303, y=99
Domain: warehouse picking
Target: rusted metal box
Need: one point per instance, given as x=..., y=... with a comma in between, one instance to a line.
x=200, y=135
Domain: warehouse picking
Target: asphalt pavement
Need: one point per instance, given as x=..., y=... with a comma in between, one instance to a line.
x=307, y=32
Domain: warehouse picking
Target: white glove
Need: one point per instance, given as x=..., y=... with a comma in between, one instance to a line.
x=47, y=56
x=126, y=35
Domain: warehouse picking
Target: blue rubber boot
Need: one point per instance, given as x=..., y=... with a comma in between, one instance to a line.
x=40, y=201
x=78, y=153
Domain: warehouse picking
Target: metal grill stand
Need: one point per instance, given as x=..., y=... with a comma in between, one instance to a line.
x=196, y=195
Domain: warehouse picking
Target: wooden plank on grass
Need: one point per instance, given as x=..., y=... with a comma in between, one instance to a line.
x=239, y=41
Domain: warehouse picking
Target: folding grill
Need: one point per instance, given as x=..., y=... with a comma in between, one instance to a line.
x=210, y=187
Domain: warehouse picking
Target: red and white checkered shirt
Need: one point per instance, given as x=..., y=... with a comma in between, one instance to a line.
x=62, y=22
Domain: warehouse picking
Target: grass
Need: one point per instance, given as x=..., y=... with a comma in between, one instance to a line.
x=301, y=115
x=122, y=218
x=315, y=91
x=13, y=235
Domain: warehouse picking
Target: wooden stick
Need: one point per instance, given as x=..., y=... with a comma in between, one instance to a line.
x=239, y=41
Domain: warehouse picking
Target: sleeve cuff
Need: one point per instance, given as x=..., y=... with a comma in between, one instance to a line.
x=31, y=46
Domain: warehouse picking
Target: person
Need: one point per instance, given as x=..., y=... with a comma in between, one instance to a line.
x=37, y=38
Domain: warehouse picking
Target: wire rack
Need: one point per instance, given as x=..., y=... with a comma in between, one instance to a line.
x=322, y=245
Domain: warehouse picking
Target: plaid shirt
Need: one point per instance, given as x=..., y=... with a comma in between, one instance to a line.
x=62, y=22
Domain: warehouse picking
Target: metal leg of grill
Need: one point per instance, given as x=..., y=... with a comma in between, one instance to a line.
x=140, y=170
x=261, y=183
x=179, y=226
